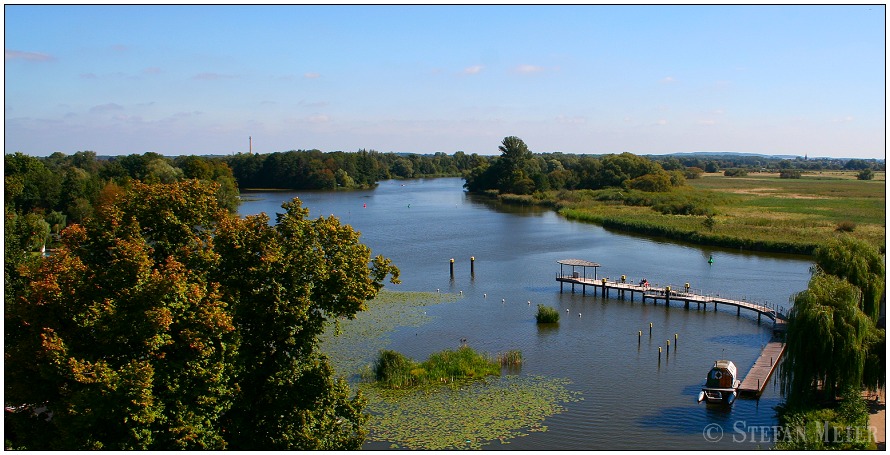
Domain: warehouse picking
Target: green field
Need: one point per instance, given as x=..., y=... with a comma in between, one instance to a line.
x=758, y=212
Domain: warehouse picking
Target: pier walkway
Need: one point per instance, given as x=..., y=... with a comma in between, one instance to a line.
x=758, y=376
x=763, y=368
x=667, y=295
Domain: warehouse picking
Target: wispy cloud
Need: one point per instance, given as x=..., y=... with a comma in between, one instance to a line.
x=106, y=108
x=88, y=76
x=528, y=69
x=707, y=122
x=152, y=70
x=212, y=76
x=312, y=75
x=845, y=119
x=668, y=80
x=320, y=118
x=475, y=69
x=10, y=54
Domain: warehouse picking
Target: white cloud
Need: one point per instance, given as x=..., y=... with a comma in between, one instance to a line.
x=707, y=122
x=475, y=69
x=661, y=122
x=312, y=75
x=10, y=54
x=528, y=69
x=668, y=80
x=320, y=118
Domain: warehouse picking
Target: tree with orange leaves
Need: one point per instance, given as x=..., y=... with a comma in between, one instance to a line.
x=165, y=322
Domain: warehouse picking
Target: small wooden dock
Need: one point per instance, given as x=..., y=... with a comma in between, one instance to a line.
x=763, y=368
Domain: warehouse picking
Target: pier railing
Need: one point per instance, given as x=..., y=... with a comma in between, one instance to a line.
x=654, y=291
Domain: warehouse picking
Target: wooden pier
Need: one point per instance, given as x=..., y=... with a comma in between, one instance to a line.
x=667, y=295
x=763, y=368
x=756, y=379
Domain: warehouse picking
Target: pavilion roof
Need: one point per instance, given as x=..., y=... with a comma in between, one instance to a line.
x=577, y=263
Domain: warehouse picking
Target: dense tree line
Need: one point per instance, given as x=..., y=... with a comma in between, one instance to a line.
x=519, y=171
x=313, y=169
x=166, y=322
x=72, y=185
x=719, y=162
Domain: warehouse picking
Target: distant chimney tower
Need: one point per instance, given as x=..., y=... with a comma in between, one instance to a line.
x=249, y=144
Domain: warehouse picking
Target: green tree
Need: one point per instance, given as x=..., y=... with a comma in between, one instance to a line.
x=861, y=264
x=515, y=153
x=827, y=342
x=866, y=174
x=165, y=322
x=287, y=281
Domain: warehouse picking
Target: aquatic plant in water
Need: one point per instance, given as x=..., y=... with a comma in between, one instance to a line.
x=464, y=414
x=394, y=370
x=351, y=344
x=546, y=315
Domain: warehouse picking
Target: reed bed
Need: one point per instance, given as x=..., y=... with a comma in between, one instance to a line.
x=761, y=212
x=393, y=370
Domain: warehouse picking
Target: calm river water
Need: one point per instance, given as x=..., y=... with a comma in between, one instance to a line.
x=631, y=400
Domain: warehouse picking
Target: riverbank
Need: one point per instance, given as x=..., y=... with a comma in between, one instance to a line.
x=877, y=419
x=758, y=212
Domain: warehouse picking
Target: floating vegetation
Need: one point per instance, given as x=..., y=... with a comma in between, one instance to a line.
x=546, y=315
x=351, y=344
x=395, y=371
x=464, y=414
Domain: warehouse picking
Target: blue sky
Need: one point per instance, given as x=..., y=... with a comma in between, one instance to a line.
x=578, y=79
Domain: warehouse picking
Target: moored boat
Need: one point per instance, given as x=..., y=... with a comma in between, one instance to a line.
x=721, y=385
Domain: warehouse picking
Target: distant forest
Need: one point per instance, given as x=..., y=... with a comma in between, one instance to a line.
x=65, y=188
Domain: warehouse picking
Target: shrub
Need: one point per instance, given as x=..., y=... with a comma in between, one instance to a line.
x=789, y=174
x=652, y=183
x=546, y=315
x=393, y=369
x=692, y=173
x=865, y=174
x=845, y=226
x=735, y=173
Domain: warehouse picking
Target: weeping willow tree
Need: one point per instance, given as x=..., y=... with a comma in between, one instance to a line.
x=833, y=342
x=829, y=341
x=859, y=263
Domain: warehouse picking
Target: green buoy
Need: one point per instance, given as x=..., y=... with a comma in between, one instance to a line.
x=711, y=259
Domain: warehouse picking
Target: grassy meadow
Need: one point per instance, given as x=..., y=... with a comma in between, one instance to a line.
x=759, y=211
